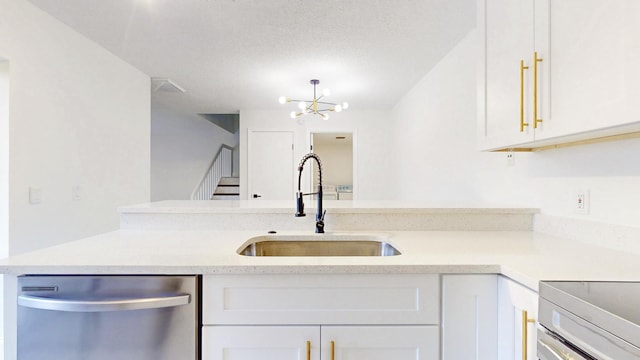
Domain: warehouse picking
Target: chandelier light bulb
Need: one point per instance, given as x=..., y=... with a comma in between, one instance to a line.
x=326, y=92
x=338, y=108
x=345, y=105
x=302, y=105
x=293, y=115
x=325, y=116
x=282, y=99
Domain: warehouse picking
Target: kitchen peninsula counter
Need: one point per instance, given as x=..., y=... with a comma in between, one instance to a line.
x=203, y=237
x=524, y=256
x=341, y=216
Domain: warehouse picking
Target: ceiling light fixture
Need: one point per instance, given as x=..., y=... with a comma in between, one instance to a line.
x=313, y=106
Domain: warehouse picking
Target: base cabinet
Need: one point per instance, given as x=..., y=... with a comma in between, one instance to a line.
x=380, y=342
x=324, y=342
x=372, y=317
x=469, y=317
x=260, y=342
x=517, y=318
x=321, y=317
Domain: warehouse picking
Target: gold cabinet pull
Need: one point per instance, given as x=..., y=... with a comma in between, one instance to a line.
x=522, y=69
x=308, y=350
x=536, y=60
x=525, y=325
x=333, y=350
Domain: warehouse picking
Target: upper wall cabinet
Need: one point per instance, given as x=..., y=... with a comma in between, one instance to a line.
x=507, y=38
x=554, y=72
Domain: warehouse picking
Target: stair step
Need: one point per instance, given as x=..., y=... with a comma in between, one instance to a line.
x=225, y=181
x=226, y=197
x=227, y=190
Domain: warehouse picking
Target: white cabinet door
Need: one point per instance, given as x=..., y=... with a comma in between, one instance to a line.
x=592, y=48
x=517, y=317
x=380, y=343
x=587, y=82
x=270, y=165
x=506, y=30
x=260, y=342
x=469, y=318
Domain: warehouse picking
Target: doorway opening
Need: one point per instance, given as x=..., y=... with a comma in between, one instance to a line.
x=337, y=152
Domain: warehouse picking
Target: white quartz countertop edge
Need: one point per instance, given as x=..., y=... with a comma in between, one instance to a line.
x=526, y=257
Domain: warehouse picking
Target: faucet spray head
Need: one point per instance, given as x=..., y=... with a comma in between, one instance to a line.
x=300, y=205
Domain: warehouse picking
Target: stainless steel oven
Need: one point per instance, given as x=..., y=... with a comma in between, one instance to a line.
x=589, y=320
x=108, y=317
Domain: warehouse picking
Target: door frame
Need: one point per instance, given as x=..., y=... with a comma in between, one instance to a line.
x=5, y=79
x=354, y=152
x=249, y=160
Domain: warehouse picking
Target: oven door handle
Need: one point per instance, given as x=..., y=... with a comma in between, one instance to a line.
x=92, y=305
x=546, y=352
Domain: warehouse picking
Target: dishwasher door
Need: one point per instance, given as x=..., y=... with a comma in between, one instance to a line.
x=108, y=317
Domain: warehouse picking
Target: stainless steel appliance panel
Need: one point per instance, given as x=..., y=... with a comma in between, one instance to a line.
x=572, y=327
x=551, y=347
x=108, y=317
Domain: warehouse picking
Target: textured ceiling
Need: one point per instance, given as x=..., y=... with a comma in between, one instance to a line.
x=243, y=54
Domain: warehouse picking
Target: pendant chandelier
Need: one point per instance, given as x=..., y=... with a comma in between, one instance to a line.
x=315, y=106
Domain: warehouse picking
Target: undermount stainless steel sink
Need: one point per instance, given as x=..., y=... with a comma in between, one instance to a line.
x=318, y=245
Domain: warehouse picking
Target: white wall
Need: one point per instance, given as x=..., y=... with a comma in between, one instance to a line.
x=435, y=134
x=79, y=116
x=611, y=171
x=182, y=148
x=371, y=137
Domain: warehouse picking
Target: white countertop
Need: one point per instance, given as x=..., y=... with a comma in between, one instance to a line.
x=334, y=206
x=524, y=256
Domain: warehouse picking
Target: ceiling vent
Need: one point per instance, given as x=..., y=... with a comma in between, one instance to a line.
x=165, y=85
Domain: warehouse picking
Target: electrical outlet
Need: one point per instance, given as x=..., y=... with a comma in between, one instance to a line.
x=581, y=205
x=35, y=195
x=511, y=160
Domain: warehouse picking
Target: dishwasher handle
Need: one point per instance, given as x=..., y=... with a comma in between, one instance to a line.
x=92, y=305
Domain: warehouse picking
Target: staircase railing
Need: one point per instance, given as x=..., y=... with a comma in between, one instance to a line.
x=221, y=166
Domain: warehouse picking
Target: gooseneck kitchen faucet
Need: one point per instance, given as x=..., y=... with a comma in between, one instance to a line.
x=300, y=202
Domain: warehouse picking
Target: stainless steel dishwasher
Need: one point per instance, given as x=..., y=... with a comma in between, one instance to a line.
x=108, y=317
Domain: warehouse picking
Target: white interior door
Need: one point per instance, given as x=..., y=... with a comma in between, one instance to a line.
x=270, y=165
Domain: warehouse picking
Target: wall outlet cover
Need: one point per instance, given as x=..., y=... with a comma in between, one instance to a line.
x=581, y=202
x=35, y=195
x=511, y=159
